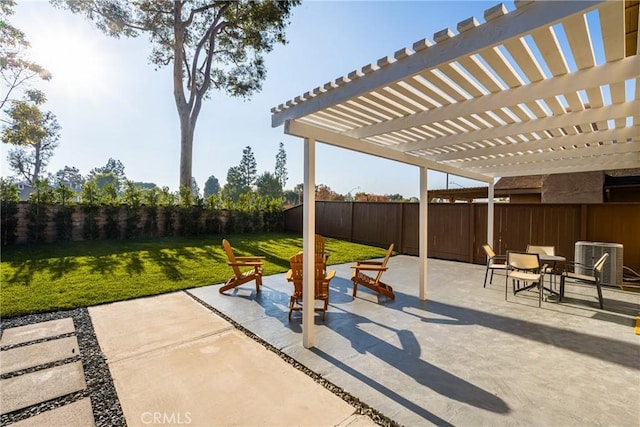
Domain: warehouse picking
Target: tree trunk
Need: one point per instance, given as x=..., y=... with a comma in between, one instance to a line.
x=37, y=163
x=186, y=149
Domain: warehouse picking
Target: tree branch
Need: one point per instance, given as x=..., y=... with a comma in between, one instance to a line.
x=186, y=67
x=16, y=82
x=209, y=35
x=197, y=10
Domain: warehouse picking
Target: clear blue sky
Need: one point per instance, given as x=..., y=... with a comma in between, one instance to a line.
x=111, y=102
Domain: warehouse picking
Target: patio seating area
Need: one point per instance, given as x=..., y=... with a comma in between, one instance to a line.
x=465, y=356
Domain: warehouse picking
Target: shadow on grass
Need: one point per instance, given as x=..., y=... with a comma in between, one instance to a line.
x=168, y=264
x=107, y=257
x=134, y=265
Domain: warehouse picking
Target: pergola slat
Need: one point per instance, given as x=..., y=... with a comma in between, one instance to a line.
x=612, y=22
x=612, y=161
x=623, y=69
x=632, y=148
x=585, y=116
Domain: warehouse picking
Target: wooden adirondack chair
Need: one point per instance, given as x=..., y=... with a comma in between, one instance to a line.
x=374, y=283
x=322, y=279
x=320, y=252
x=240, y=277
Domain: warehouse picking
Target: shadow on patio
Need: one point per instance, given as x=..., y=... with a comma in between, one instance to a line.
x=465, y=356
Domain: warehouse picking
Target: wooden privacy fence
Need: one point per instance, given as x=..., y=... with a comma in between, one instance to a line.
x=457, y=231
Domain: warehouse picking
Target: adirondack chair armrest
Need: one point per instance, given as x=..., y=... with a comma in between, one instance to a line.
x=369, y=262
x=289, y=275
x=249, y=258
x=330, y=275
x=370, y=267
x=245, y=264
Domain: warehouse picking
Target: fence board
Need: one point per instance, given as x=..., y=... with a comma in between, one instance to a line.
x=458, y=231
x=448, y=231
x=618, y=223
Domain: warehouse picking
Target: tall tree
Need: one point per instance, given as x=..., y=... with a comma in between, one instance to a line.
x=69, y=176
x=105, y=180
x=35, y=136
x=268, y=185
x=16, y=70
x=209, y=44
x=111, y=173
x=235, y=185
x=113, y=166
x=248, y=168
x=145, y=186
x=195, y=190
x=212, y=186
x=324, y=192
x=281, y=166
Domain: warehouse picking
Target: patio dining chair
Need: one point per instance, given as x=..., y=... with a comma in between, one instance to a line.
x=494, y=262
x=322, y=277
x=373, y=282
x=241, y=277
x=542, y=250
x=595, y=278
x=526, y=268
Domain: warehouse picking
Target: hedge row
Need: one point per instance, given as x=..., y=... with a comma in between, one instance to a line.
x=47, y=218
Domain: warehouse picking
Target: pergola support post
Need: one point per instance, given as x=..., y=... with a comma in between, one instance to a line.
x=423, y=231
x=490, y=215
x=308, y=245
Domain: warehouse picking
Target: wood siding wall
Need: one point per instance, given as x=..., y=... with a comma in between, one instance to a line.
x=458, y=231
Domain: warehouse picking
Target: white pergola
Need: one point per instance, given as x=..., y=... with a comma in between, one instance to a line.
x=501, y=98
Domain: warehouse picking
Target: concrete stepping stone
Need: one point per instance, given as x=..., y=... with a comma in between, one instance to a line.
x=36, y=331
x=74, y=414
x=32, y=355
x=35, y=387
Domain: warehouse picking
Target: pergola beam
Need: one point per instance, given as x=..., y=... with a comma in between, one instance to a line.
x=303, y=130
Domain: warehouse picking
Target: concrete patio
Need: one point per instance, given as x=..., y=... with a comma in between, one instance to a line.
x=465, y=356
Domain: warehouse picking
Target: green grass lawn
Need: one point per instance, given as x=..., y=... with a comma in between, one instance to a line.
x=47, y=277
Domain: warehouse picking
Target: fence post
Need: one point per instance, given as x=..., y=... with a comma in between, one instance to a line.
x=401, y=229
x=351, y=221
x=472, y=231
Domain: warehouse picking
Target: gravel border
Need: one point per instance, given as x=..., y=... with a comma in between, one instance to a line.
x=361, y=407
x=100, y=389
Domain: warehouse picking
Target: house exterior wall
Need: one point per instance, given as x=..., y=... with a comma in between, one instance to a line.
x=583, y=187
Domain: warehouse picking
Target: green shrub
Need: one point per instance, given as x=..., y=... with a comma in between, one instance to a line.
x=213, y=207
x=132, y=199
x=38, y=211
x=111, y=210
x=9, y=199
x=168, y=200
x=151, y=199
x=90, y=197
x=63, y=217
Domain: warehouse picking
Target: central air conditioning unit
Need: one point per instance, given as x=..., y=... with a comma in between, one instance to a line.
x=587, y=253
